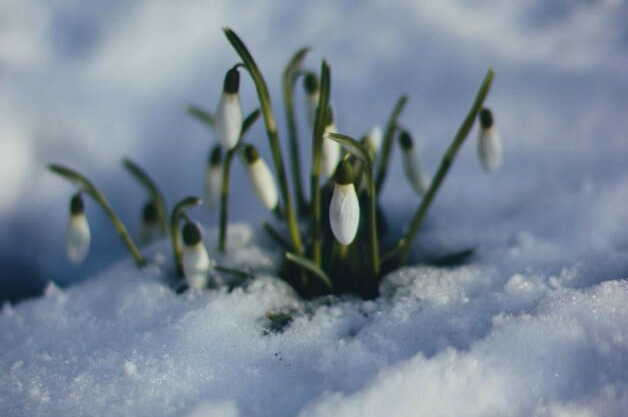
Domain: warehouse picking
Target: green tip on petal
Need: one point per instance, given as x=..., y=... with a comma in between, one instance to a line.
x=251, y=154
x=405, y=140
x=486, y=118
x=215, y=156
x=344, y=173
x=232, y=81
x=149, y=213
x=77, y=206
x=191, y=234
x=311, y=83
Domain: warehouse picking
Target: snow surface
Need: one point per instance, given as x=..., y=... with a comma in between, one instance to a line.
x=536, y=324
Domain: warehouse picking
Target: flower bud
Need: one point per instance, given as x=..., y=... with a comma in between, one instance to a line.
x=150, y=230
x=196, y=262
x=78, y=236
x=489, y=142
x=411, y=165
x=228, y=125
x=374, y=140
x=261, y=178
x=213, y=177
x=310, y=84
x=344, y=209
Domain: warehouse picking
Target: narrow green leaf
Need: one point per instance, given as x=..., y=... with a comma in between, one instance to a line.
x=201, y=115
x=310, y=266
x=352, y=145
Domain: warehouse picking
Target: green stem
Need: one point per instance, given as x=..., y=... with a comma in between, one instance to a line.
x=389, y=136
x=155, y=194
x=224, y=199
x=226, y=173
x=95, y=193
x=405, y=243
x=202, y=116
x=276, y=236
x=290, y=76
x=175, y=216
x=271, y=130
x=317, y=148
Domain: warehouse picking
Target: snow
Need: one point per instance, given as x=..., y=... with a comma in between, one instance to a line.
x=536, y=323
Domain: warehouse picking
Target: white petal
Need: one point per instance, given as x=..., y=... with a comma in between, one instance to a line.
x=344, y=213
x=414, y=172
x=196, y=266
x=330, y=155
x=228, y=120
x=311, y=104
x=213, y=186
x=489, y=149
x=77, y=238
x=375, y=138
x=263, y=183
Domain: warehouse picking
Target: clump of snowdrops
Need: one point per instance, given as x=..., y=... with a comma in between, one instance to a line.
x=332, y=236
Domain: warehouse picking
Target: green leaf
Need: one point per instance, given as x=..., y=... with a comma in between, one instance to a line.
x=201, y=115
x=310, y=266
x=352, y=145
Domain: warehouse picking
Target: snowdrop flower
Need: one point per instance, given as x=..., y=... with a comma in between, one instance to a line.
x=229, y=112
x=344, y=210
x=150, y=229
x=196, y=262
x=411, y=165
x=311, y=97
x=261, y=178
x=213, y=177
x=374, y=140
x=331, y=151
x=489, y=143
x=78, y=236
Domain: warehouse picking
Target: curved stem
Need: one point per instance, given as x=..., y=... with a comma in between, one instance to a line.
x=290, y=76
x=175, y=216
x=405, y=243
x=389, y=135
x=155, y=194
x=95, y=193
x=317, y=148
x=271, y=130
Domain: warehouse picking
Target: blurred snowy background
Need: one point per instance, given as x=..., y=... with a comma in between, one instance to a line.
x=537, y=324
x=86, y=83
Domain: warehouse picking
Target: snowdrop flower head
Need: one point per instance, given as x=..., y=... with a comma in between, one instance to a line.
x=344, y=209
x=330, y=155
x=310, y=83
x=261, y=178
x=213, y=177
x=150, y=230
x=374, y=140
x=489, y=142
x=78, y=236
x=196, y=262
x=229, y=111
x=411, y=164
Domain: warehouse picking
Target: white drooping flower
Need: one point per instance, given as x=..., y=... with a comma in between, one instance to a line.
x=228, y=117
x=310, y=83
x=196, y=262
x=77, y=236
x=374, y=140
x=411, y=164
x=344, y=209
x=150, y=229
x=331, y=151
x=213, y=178
x=261, y=178
x=489, y=142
